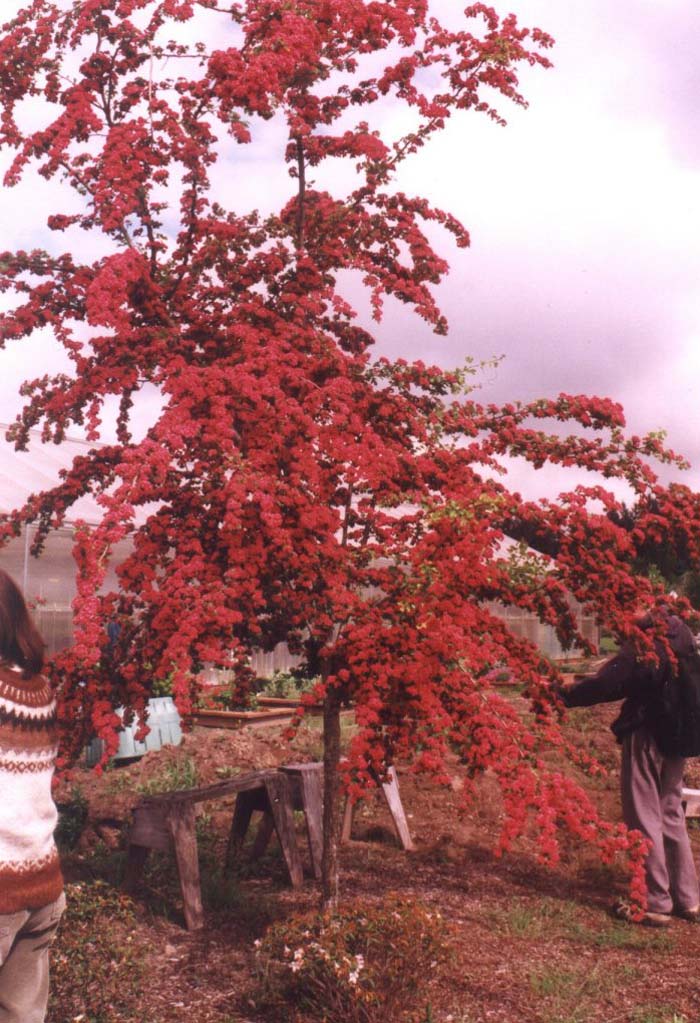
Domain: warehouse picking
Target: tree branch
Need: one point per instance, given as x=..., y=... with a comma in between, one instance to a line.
x=301, y=194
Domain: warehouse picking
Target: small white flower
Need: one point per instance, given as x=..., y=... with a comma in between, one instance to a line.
x=353, y=976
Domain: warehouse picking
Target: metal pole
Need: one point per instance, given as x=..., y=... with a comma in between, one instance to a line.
x=25, y=573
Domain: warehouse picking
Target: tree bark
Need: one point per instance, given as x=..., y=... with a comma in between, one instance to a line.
x=331, y=800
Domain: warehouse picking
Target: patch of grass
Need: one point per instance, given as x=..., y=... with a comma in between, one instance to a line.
x=658, y=1014
x=180, y=774
x=554, y=981
x=533, y=919
x=569, y=993
x=223, y=894
x=524, y=922
x=621, y=935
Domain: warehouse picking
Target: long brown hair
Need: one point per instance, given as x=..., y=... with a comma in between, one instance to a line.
x=20, y=642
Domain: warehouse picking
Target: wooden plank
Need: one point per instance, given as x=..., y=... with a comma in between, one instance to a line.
x=311, y=766
x=246, y=804
x=265, y=832
x=291, y=705
x=346, y=827
x=278, y=793
x=242, y=783
x=390, y=789
x=309, y=779
x=136, y=857
x=202, y=720
x=181, y=821
x=237, y=718
x=278, y=702
x=242, y=814
x=149, y=828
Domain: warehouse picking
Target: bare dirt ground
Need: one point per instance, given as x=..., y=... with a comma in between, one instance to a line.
x=529, y=945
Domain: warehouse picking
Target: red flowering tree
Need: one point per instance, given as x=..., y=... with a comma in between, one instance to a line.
x=295, y=486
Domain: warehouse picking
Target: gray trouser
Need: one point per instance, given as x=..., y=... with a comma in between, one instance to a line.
x=24, y=962
x=651, y=785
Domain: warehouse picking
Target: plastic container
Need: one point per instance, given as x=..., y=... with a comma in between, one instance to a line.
x=162, y=718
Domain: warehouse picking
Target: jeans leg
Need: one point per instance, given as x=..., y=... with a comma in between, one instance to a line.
x=24, y=974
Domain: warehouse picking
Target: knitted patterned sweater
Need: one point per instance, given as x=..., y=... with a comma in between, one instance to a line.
x=30, y=873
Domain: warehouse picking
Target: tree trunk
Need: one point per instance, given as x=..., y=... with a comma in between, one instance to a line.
x=331, y=800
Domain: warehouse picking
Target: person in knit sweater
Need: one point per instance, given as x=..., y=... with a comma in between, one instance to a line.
x=31, y=884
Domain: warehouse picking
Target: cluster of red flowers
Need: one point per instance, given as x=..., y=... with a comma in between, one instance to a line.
x=293, y=487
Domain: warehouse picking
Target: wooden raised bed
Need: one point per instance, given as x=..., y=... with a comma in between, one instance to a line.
x=277, y=701
x=236, y=718
x=270, y=709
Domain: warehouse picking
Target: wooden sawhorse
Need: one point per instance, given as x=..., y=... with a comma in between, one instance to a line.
x=305, y=785
x=168, y=821
x=390, y=791
x=307, y=795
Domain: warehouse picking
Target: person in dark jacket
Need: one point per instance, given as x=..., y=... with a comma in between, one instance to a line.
x=651, y=783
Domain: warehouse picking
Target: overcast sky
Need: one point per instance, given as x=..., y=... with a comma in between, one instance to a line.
x=584, y=212
x=584, y=216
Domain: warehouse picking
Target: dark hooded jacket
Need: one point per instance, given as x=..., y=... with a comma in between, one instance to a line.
x=626, y=677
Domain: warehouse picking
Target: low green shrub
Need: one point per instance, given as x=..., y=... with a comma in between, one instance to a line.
x=97, y=964
x=286, y=685
x=177, y=774
x=162, y=686
x=72, y=818
x=368, y=963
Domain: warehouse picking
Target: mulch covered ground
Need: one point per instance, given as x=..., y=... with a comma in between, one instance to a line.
x=529, y=945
